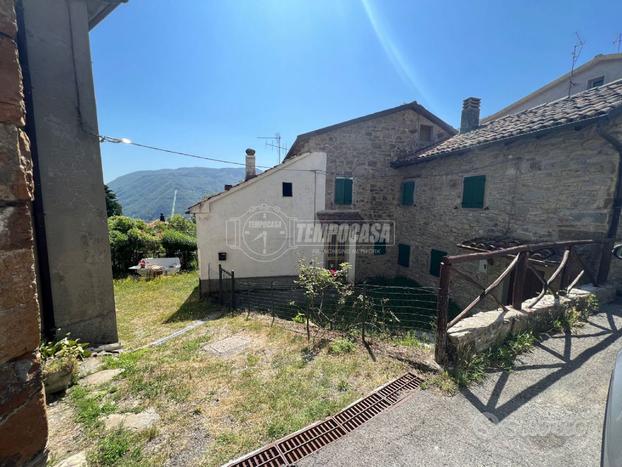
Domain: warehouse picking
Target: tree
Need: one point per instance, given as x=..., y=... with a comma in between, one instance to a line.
x=113, y=207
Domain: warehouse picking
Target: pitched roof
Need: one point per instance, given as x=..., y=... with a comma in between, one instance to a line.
x=600, y=58
x=584, y=107
x=302, y=138
x=282, y=166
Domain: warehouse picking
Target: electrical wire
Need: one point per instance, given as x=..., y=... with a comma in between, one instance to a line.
x=110, y=139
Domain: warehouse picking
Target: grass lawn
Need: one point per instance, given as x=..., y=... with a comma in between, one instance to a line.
x=148, y=310
x=212, y=408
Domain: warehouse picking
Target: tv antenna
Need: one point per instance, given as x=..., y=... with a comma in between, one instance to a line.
x=576, y=52
x=275, y=143
x=618, y=41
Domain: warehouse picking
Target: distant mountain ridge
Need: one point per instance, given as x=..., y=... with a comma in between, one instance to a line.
x=147, y=193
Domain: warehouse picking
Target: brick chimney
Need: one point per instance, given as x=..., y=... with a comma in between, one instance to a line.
x=470, y=114
x=250, y=164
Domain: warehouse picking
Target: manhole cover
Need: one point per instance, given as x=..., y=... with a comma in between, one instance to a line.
x=228, y=347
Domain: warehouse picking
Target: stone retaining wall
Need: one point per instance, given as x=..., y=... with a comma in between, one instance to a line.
x=489, y=328
x=23, y=425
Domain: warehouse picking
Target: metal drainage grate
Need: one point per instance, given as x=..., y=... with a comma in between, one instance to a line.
x=307, y=441
x=310, y=440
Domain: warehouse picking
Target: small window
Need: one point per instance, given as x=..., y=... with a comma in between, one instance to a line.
x=343, y=190
x=287, y=189
x=436, y=256
x=408, y=193
x=380, y=248
x=595, y=82
x=425, y=133
x=403, y=255
x=473, y=192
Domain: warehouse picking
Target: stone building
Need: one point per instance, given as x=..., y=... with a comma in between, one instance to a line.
x=359, y=153
x=545, y=174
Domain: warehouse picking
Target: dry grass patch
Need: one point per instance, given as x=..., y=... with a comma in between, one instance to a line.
x=214, y=408
x=237, y=404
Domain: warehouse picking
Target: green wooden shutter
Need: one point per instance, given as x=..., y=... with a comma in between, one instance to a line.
x=380, y=247
x=408, y=193
x=339, y=191
x=436, y=256
x=473, y=191
x=343, y=190
x=347, y=191
x=403, y=255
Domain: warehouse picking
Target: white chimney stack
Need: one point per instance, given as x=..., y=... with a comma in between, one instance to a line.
x=250, y=164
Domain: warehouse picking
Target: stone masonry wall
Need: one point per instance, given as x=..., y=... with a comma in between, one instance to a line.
x=23, y=426
x=557, y=187
x=364, y=151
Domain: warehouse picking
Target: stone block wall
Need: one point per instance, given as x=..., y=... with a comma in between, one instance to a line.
x=487, y=329
x=364, y=150
x=23, y=425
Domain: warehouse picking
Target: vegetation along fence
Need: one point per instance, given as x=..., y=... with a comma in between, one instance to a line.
x=572, y=264
x=380, y=306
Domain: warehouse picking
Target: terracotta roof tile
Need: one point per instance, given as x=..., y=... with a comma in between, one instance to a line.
x=590, y=104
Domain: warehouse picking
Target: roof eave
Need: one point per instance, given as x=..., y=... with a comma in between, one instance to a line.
x=99, y=9
x=510, y=139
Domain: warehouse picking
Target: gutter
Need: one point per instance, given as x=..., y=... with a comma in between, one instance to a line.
x=616, y=209
x=42, y=270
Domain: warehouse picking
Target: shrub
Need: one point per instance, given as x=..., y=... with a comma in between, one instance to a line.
x=341, y=345
x=62, y=355
x=134, y=239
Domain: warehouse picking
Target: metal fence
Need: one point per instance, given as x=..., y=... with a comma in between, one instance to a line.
x=392, y=309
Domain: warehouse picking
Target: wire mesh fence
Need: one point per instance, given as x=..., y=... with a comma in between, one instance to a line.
x=369, y=307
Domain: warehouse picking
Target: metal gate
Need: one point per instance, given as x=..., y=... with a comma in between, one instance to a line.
x=226, y=287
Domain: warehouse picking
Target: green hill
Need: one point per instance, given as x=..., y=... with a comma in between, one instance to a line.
x=147, y=193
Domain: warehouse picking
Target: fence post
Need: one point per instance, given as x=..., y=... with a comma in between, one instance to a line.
x=563, y=279
x=232, y=291
x=442, y=306
x=605, y=261
x=520, y=273
x=220, y=294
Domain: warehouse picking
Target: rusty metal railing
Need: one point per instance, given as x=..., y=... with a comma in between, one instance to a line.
x=517, y=269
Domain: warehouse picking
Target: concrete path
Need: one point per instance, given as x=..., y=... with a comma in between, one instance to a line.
x=548, y=411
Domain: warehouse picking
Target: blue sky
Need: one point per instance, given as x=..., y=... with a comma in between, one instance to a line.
x=209, y=76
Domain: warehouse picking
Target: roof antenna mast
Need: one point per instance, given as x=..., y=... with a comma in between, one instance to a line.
x=618, y=41
x=275, y=143
x=576, y=52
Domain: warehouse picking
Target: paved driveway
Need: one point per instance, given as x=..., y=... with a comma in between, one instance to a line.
x=548, y=411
